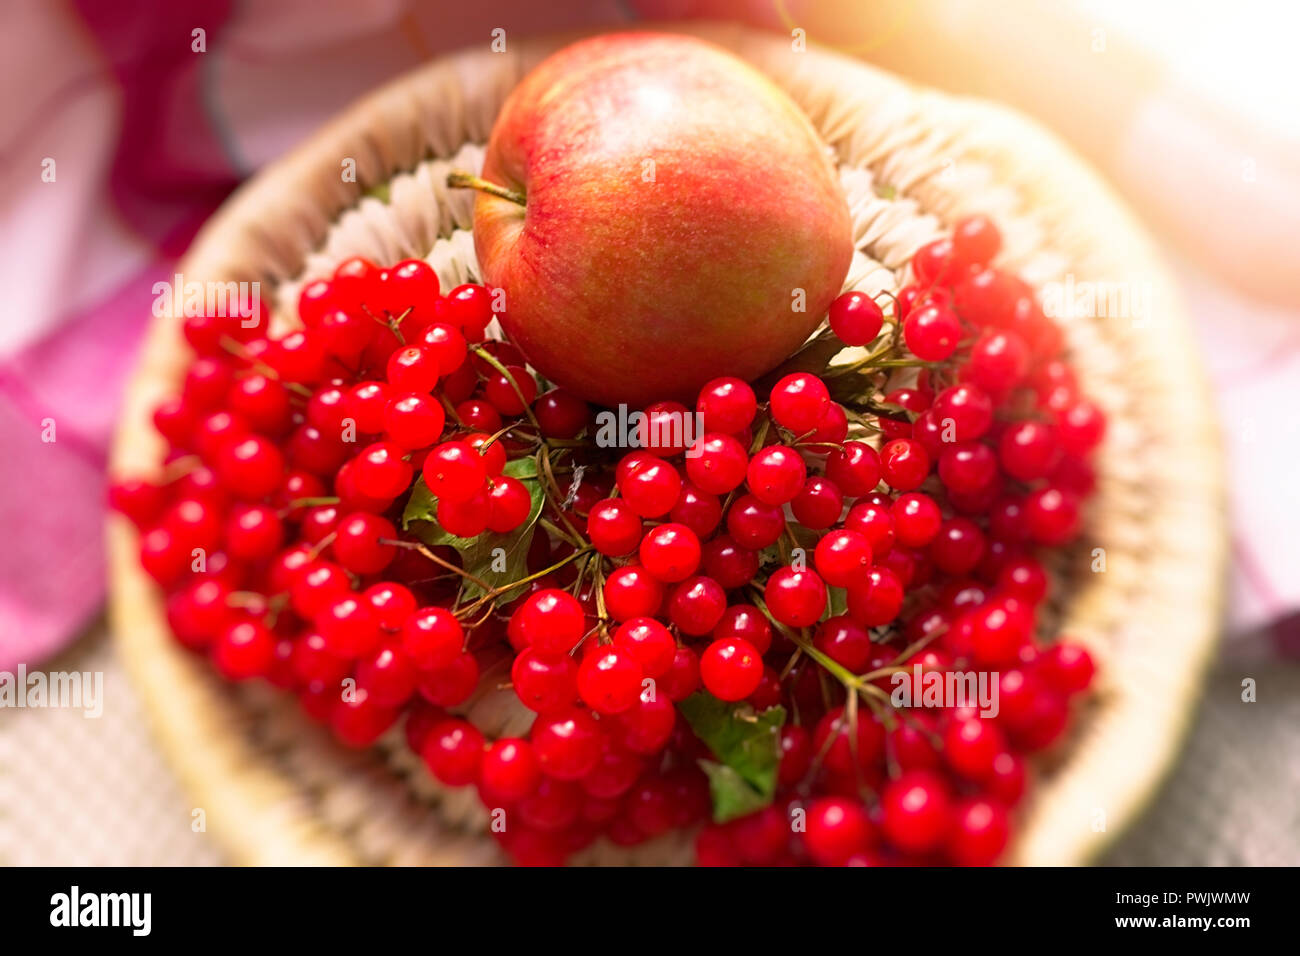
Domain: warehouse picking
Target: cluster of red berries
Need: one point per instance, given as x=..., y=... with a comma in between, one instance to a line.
x=768, y=560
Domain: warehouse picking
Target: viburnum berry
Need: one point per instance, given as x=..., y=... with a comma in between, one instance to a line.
x=649, y=642
x=796, y=754
x=349, y=626
x=968, y=468
x=660, y=430
x=998, y=361
x=848, y=743
x=1051, y=516
x=251, y=468
x=362, y=543
x=931, y=332
x=855, y=469
x=479, y=415
x=446, y=345
x=568, y=743
x=467, y=307
x=544, y=682
x=731, y=668
x=776, y=474
x=244, y=650
x=560, y=414
x=609, y=680
x=904, y=464
x=683, y=678
x=874, y=521
x=747, y=622
x=414, y=421
x=916, y=519
x=453, y=751
x=968, y=408
x=387, y=675
x=509, y=504
x=842, y=558
x=651, y=487
x=412, y=369
x=717, y=463
x=934, y=262
x=696, y=605
x=979, y=832
x=1067, y=668
x=795, y=597
x=845, y=641
x=728, y=563
x=753, y=524
x=726, y=405
x=697, y=510
x=253, y=532
x=508, y=770
x=916, y=811
x=819, y=504
x=999, y=630
x=836, y=830
x=511, y=391
x=467, y=518
x=798, y=400
x=380, y=471
x=670, y=552
x=356, y=719
x=646, y=727
x=432, y=638
x=855, y=318
x=491, y=450
x=832, y=426
x=454, y=471
x=975, y=240
x=392, y=603
x=632, y=591
x=878, y=600
x=452, y=685
x=1082, y=427
x=971, y=745
x=550, y=621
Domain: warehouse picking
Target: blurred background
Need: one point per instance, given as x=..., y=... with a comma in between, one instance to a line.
x=121, y=137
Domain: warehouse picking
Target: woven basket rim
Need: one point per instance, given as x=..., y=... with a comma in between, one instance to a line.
x=286, y=211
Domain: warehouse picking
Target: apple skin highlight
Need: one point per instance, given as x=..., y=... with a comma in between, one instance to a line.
x=675, y=204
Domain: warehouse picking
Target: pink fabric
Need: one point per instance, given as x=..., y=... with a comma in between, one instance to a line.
x=149, y=137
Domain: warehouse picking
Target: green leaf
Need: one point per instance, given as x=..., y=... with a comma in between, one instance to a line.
x=837, y=602
x=748, y=749
x=479, y=555
x=732, y=796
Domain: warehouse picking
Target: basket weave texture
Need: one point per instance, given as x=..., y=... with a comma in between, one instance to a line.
x=275, y=788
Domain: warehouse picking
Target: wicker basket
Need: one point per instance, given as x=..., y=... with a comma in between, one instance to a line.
x=277, y=790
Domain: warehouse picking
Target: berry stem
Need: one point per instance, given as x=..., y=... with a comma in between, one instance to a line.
x=447, y=565
x=492, y=360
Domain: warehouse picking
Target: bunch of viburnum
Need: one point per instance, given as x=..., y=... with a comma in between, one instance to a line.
x=733, y=627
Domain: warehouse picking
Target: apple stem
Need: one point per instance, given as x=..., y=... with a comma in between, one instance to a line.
x=459, y=179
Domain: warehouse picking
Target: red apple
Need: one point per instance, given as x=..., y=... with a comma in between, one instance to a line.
x=662, y=214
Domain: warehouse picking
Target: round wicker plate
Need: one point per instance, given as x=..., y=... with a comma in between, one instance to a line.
x=1143, y=590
